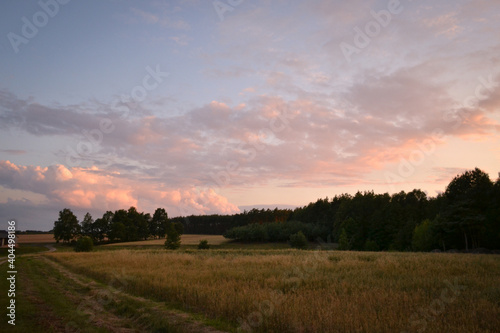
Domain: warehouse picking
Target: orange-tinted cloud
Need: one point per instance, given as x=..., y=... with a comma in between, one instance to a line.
x=95, y=189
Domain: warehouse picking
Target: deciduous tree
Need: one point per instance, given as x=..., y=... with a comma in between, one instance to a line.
x=66, y=228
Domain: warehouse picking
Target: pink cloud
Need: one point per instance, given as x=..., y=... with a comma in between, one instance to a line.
x=445, y=24
x=92, y=188
x=269, y=139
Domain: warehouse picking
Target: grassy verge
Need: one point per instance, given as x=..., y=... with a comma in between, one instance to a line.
x=50, y=299
x=25, y=324
x=42, y=303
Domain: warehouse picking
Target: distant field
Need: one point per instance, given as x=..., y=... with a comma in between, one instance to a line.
x=42, y=238
x=185, y=240
x=190, y=241
x=310, y=291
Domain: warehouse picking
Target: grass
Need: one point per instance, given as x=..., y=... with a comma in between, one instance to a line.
x=40, y=306
x=51, y=299
x=23, y=249
x=310, y=291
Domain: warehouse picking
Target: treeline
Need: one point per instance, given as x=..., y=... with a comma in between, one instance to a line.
x=277, y=231
x=130, y=225
x=466, y=216
x=218, y=224
x=32, y=232
x=118, y=226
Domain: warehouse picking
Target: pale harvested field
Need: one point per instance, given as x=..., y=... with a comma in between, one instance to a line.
x=311, y=291
x=185, y=240
x=34, y=239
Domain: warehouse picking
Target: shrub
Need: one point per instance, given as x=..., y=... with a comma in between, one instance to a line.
x=298, y=240
x=173, y=241
x=203, y=245
x=172, y=244
x=84, y=244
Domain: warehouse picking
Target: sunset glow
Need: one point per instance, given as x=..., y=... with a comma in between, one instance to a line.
x=182, y=105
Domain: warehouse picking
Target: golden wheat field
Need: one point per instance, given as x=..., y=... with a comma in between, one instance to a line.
x=311, y=291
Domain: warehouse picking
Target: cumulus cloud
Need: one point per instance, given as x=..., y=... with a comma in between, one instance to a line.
x=302, y=115
x=95, y=189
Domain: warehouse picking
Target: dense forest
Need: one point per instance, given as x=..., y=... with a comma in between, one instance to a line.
x=465, y=217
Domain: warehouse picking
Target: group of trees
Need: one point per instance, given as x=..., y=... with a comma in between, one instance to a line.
x=121, y=225
x=465, y=216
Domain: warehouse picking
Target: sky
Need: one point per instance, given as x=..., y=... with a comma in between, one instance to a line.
x=214, y=107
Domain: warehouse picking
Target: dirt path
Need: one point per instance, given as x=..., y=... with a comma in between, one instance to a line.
x=49, y=247
x=100, y=301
